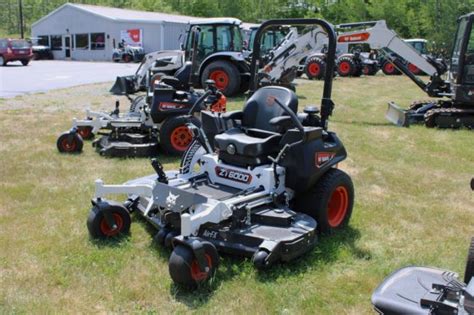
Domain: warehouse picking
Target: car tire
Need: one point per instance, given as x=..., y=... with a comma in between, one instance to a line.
x=25, y=62
x=2, y=61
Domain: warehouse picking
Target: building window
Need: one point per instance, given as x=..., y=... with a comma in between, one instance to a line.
x=82, y=41
x=56, y=42
x=43, y=40
x=97, y=41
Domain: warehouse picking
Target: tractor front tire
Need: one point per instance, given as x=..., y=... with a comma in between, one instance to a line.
x=315, y=68
x=469, y=272
x=330, y=202
x=389, y=69
x=346, y=66
x=225, y=74
x=175, y=137
x=184, y=268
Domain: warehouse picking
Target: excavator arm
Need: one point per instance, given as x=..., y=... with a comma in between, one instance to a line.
x=378, y=36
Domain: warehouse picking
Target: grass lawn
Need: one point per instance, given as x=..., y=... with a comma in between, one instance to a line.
x=413, y=205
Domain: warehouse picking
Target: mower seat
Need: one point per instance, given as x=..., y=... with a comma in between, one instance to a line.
x=256, y=138
x=180, y=80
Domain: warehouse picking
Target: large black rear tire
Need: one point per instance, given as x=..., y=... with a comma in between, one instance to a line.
x=184, y=268
x=175, y=137
x=469, y=272
x=225, y=74
x=330, y=202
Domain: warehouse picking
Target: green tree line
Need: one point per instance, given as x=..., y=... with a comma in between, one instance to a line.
x=434, y=20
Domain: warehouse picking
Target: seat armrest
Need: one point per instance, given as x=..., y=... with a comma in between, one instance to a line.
x=234, y=115
x=281, y=123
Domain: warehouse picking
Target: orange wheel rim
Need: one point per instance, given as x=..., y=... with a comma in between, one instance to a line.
x=366, y=70
x=412, y=68
x=181, y=137
x=85, y=132
x=196, y=272
x=337, y=206
x=69, y=146
x=344, y=67
x=107, y=230
x=389, y=68
x=221, y=78
x=313, y=69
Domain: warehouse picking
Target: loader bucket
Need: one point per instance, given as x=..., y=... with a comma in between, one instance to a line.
x=396, y=115
x=124, y=85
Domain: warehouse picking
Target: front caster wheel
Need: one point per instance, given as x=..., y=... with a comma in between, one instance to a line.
x=117, y=224
x=260, y=260
x=184, y=268
x=70, y=142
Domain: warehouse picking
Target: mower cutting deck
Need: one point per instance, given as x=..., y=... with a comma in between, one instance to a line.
x=260, y=182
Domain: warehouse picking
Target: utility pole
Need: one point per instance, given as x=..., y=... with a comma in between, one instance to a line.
x=20, y=3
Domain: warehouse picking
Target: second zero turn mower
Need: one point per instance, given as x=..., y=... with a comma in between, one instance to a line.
x=156, y=119
x=260, y=182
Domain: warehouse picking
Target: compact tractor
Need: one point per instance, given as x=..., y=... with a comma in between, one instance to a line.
x=260, y=182
x=219, y=57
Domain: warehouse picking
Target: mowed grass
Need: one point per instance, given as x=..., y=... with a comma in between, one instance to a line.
x=413, y=205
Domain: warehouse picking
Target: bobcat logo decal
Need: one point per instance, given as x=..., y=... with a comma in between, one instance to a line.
x=171, y=200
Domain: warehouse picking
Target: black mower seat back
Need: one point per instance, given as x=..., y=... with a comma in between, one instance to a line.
x=180, y=80
x=256, y=139
x=261, y=107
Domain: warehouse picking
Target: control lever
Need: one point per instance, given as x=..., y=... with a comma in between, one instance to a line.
x=200, y=136
x=158, y=167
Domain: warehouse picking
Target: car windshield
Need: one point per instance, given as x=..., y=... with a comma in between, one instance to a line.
x=20, y=43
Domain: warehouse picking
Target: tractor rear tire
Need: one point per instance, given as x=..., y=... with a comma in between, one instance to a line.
x=369, y=69
x=315, y=68
x=225, y=74
x=346, y=66
x=330, y=201
x=175, y=137
x=469, y=272
x=184, y=268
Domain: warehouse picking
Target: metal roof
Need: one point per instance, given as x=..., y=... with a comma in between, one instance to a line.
x=123, y=15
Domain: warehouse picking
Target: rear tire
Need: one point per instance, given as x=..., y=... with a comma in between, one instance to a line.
x=369, y=69
x=25, y=62
x=225, y=74
x=184, y=268
x=315, y=68
x=175, y=137
x=98, y=227
x=2, y=61
x=68, y=143
x=469, y=272
x=330, y=202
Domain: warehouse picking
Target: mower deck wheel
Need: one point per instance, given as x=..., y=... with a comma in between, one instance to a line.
x=85, y=132
x=260, y=260
x=70, y=142
x=332, y=199
x=469, y=272
x=184, y=268
x=98, y=226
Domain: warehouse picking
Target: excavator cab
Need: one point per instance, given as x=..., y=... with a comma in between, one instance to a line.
x=462, y=62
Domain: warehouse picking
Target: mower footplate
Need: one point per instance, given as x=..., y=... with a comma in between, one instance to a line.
x=115, y=148
x=281, y=232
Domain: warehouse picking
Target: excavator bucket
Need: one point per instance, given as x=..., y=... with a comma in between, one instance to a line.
x=396, y=115
x=124, y=85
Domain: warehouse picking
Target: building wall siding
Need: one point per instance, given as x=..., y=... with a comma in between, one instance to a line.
x=71, y=21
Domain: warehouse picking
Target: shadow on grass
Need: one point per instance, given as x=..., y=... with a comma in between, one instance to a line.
x=116, y=241
x=363, y=123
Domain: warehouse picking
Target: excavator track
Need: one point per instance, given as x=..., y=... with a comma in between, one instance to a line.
x=415, y=105
x=450, y=118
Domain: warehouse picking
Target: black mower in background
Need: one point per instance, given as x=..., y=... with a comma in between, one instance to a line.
x=260, y=183
x=425, y=290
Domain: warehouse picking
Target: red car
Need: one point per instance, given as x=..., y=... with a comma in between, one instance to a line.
x=15, y=49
